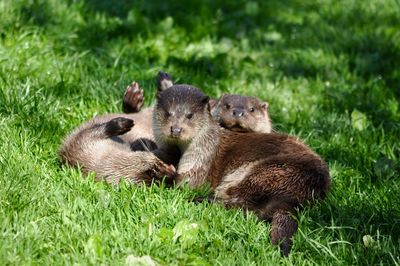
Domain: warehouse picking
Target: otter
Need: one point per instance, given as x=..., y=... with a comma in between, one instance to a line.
x=97, y=146
x=272, y=175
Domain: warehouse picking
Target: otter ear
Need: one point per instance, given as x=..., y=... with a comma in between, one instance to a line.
x=164, y=81
x=213, y=103
x=206, y=101
x=264, y=106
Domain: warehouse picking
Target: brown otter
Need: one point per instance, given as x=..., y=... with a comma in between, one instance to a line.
x=97, y=146
x=270, y=174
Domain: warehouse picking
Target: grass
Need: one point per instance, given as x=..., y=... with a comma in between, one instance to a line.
x=329, y=69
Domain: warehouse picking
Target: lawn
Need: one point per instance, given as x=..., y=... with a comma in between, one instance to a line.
x=329, y=69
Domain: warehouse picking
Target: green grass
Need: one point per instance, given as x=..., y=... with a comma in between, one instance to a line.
x=329, y=69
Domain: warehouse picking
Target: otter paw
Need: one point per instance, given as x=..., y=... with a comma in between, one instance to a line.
x=133, y=99
x=168, y=174
x=118, y=126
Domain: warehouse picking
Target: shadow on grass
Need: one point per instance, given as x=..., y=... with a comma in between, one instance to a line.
x=304, y=41
x=299, y=36
x=353, y=49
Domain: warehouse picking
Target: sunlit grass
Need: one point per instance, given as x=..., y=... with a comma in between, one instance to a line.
x=329, y=69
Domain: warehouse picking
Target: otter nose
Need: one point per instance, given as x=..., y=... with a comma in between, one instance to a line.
x=238, y=112
x=176, y=131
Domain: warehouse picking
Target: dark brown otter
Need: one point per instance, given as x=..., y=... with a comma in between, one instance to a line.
x=98, y=146
x=270, y=174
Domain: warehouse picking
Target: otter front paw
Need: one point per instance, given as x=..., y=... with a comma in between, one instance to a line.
x=133, y=99
x=170, y=176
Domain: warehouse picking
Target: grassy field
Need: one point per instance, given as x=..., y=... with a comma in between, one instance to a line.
x=329, y=69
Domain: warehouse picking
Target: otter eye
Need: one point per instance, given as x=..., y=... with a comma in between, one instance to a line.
x=251, y=109
x=168, y=114
x=227, y=106
x=189, y=116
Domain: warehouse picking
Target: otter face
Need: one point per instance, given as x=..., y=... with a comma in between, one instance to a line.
x=242, y=114
x=180, y=111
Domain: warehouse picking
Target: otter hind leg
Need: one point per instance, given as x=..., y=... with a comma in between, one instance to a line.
x=133, y=99
x=118, y=126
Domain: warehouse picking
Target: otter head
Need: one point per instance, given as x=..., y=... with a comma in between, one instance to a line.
x=181, y=111
x=242, y=114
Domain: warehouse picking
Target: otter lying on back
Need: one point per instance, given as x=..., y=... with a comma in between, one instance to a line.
x=102, y=145
x=270, y=174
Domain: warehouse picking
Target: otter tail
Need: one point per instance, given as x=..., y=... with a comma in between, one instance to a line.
x=284, y=226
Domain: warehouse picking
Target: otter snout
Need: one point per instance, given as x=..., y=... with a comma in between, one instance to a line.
x=238, y=112
x=176, y=131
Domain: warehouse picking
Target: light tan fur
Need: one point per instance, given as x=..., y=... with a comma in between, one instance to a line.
x=109, y=156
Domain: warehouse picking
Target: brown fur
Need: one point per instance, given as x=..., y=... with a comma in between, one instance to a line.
x=270, y=174
x=242, y=114
x=98, y=146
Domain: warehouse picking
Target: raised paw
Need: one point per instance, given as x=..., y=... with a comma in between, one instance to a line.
x=133, y=99
x=118, y=126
